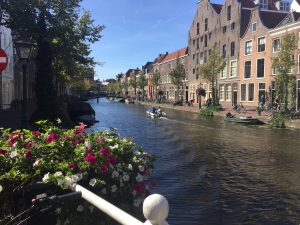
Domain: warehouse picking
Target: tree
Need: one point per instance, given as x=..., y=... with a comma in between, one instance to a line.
x=125, y=86
x=142, y=83
x=133, y=83
x=155, y=82
x=283, y=64
x=177, y=76
x=211, y=70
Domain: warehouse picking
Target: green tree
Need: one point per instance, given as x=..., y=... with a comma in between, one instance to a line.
x=283, y=64
x=125, y=85
x=133, y=83
x=211, y=70
x=155, y=82
x=142, y=83
x=177, y=76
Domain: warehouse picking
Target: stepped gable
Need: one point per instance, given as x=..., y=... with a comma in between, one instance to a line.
x=271, y=19
x=174, y=55
x=217, y=7
x=247, y=3
x=245, y=18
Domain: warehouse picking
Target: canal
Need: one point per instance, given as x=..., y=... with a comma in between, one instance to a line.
x=213, y=172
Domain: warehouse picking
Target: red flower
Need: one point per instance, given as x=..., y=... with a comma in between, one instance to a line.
x=28, y=155
x=28, y=146
x=138, y=188
x=105, y=152
x=2, y=152
x=11, y=143
x=72, y=165
x=51, y=137
x=112, y=160
x=91, y=159
x=89, y=150
x=104, y=168
x=36, y=132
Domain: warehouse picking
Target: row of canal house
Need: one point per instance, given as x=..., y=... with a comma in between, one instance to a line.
x=248, y=35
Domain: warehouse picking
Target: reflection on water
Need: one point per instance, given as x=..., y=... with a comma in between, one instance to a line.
x=212, y=172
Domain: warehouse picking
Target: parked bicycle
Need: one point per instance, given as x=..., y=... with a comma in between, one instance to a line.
x=240, y=108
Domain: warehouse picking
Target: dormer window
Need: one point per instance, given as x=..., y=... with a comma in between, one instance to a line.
x=263, y=4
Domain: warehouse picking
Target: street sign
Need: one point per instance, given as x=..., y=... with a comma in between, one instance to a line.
x=3, y=60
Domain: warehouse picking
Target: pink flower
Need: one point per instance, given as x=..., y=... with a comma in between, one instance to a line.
x=89, y=150
x=112, y=160
x=36, y=132
x=100, y=139
x=91, y=159
x=51, y=137
x=138, y=188
x=11, y=143
x=2, y=152
x=105, y=152
x=28, y=146
x=79, y=129
x=104, y=168
x=28, y=155
x=76, y=142
x=72, y=165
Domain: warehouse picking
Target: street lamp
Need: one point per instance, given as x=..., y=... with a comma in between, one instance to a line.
x=23, y=51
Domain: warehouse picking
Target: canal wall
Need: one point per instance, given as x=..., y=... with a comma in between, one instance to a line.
x=264, y=117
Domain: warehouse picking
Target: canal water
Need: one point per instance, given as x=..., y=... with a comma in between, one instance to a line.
x=213, y=172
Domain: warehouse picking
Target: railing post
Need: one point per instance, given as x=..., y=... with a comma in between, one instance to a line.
x=156, y=210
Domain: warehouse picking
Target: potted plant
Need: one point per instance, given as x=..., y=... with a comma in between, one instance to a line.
x=258, y=110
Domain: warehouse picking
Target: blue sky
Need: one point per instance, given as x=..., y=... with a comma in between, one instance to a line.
x=137, y=31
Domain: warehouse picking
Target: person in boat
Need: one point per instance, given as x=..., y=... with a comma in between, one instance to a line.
x=229, y=115
x=153, y=110
x=159, y=112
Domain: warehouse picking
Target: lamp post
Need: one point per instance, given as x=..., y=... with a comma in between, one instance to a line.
x=23, y=51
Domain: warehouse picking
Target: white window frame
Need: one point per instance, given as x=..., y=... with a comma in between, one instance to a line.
x=245, y=92
x=230, y=69
x=222, y=92
x=264, y=68
x=255, y=23
x=245, y=47
x=248, y=95
x=258, y=43
x=245, y=70
x=273, y=49
x=228, y=96
x=224, y=72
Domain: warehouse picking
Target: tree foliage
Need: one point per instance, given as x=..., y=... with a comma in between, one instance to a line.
x=155, y=82
x=283, y=64
x=142, y=82
x=133, y=83
x=211, y=70
x=177, y=76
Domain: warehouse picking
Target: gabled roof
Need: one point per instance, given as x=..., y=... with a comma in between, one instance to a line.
x=245, y=19
x=174, y=55
x=217, y=7
x=130, y=71
x=290, y=18
x=247, y=3
x=271, y=19
x=159, y=58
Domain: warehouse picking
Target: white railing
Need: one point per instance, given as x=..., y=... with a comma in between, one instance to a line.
x=155, y=208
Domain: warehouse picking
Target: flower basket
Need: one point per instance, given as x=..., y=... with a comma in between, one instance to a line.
x=113, y=168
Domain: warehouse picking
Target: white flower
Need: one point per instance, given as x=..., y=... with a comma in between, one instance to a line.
x=91, y=208
x=93, y=182
x=13, y=154
x=103, y=191
x=1, y=188
x=115, y=174
x=46, y=178
x=134, y=159
x=114, y=147
x=58, y=174
x=103, y=182
x=58, y=120
x=58, y=210
x=114, y=188
x=79, y=208
x=37, y=162
x=139, y=178
x=109, y=140
x=88, y=144
x=67, y=222
x=126, y=177
x=141, y=168
x=137, y=202
x=60, y=181
x=130, y=167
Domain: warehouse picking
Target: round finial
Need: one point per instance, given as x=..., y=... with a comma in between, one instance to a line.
x=156, y=209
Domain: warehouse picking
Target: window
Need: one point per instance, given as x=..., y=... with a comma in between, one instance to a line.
x=223, y=73
x=194, y=57
x=276, y=45
x=260, y=68
x=243, y=92
x=209, y=51
x=228, y=92
x=263, y=4
x=197, y=59
x=205, y=40
x=248, y=47
x=247, y=71
x=274, y=70
x=233, y=68
x=194, y=42
x=262, y=92
x=206, y=24
x=224, y=51
x=201, y=38
x=232, y=48
x=224, y=29
x=228, y=12
x=209, y=35
x=198, y=28
x=201, y=54
x=222, y=89
x=253, y=27
x=232, y=26
x=193, y=71
x=205, y=56
x=284, y=6
x=197, y=44
x=251, y=92
x=261, y=44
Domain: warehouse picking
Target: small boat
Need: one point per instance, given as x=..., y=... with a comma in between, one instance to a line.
x=127, y=100
x=243, y=120
x=156, y=114
x=119, y=99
